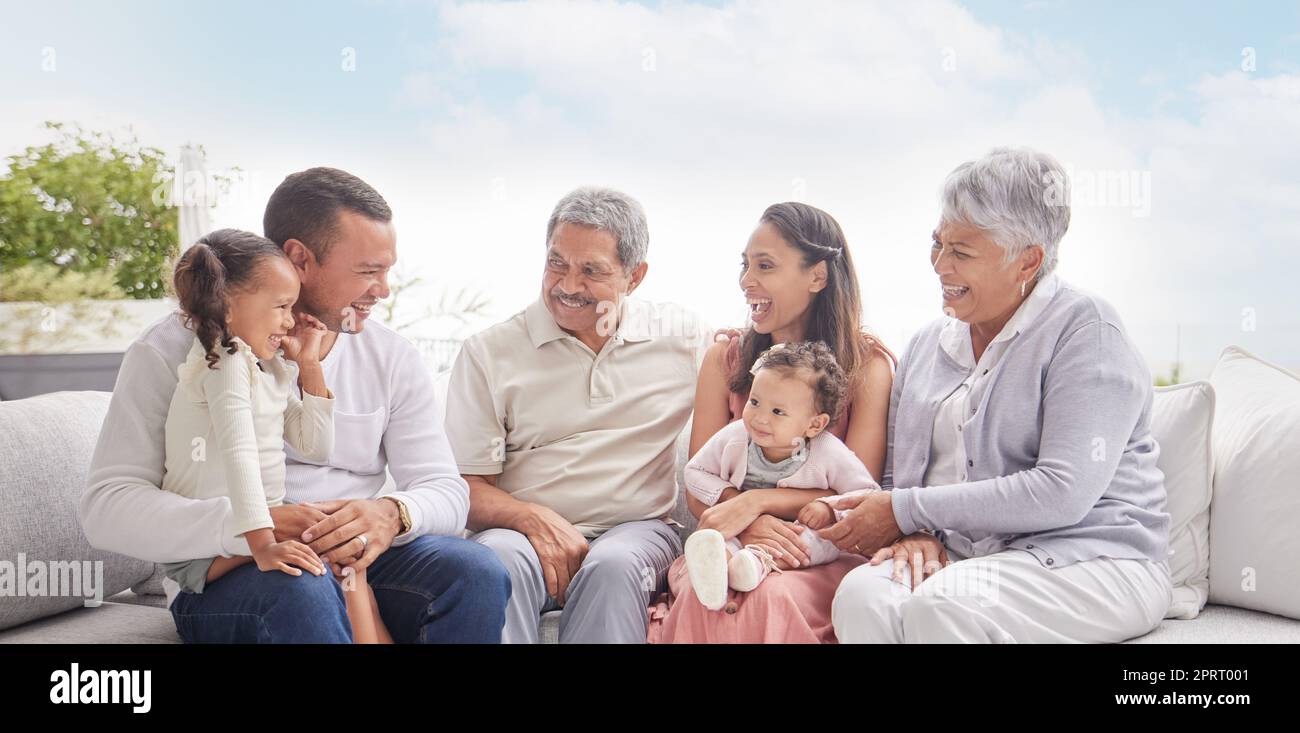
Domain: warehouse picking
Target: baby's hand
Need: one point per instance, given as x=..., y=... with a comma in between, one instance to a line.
x=816, y=515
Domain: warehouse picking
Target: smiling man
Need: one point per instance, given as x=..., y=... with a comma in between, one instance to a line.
x=564, y=419
x=430, y=585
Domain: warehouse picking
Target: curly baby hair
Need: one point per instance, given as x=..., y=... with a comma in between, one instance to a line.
x=814, y=362
x=222, y=262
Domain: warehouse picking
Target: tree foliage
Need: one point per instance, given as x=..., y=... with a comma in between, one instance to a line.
x=90, y=202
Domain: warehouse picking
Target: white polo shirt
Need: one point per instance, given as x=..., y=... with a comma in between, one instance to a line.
x=589, y=435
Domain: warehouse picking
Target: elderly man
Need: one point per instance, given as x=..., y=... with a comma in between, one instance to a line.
x=1020, y=453
x=563, y=420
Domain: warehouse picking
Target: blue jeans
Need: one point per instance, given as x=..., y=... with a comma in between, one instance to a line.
x=431, y=590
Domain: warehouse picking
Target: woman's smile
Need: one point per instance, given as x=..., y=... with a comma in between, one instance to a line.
x=953, y=293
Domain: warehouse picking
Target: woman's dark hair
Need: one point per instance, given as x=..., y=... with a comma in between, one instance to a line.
x=835, y=317
x=814, y=362
x=219, y=264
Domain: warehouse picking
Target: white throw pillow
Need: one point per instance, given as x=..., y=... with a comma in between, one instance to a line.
x=1254, y=544
x=1182, y=417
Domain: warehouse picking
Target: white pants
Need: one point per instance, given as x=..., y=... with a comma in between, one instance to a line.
x=1006, y=597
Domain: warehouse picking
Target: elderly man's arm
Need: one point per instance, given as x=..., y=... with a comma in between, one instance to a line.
x=476, y=426
x=560, y=547
x=1095, y=391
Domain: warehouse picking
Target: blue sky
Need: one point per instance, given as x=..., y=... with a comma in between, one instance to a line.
x=473, y=119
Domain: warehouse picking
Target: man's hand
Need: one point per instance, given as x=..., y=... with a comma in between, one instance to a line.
x=559, y=546
x=291, y=520
x=336, y=537
x=868, y=527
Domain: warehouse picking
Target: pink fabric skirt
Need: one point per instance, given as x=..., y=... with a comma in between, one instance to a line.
x=791, y=607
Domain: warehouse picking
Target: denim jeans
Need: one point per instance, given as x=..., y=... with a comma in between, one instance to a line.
x=431, y=590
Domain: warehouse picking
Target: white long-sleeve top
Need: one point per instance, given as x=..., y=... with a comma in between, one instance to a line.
x=385, y=417
x=227, y=427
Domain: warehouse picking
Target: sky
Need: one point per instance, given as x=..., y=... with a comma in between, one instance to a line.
x=1179, y=123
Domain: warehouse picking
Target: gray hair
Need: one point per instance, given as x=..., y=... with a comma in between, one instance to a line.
x=611, y=211
x=1018, y=195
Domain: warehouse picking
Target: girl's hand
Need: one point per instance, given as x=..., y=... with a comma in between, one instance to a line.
x=780, y=537
x=283, y=556
x=731, y=517
x=925, y=552
x=302, y=345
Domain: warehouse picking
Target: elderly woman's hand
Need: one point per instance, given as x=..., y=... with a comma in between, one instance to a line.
x=925, y=552
x=868, y=527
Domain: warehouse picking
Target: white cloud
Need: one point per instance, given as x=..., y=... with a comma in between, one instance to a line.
x=709, y=114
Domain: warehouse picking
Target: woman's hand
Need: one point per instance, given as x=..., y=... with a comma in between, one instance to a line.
x=302, y=345
x=732, y=516
x=925, y=552
x=779, y=536
x=868, y=527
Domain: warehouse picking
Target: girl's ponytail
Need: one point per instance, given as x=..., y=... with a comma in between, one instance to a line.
x=205, y=276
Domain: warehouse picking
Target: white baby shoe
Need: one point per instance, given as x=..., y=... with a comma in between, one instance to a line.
x=706, y=562
x=749, y=566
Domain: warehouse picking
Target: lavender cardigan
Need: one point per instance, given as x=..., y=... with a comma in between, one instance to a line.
x=1060, y=452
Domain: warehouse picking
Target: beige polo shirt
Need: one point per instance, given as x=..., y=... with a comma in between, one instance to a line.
x=588, y=435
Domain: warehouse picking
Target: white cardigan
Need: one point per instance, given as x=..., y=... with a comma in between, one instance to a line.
x=227, y=426
x=385, y=423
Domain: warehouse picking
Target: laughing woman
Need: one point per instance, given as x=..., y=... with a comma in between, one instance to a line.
x=798, y=277
x=1021, y=457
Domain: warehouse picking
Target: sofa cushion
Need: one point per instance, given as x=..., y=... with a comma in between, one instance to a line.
x=1224, y=625
x=45, y=448
x=1256, y=507
x=1182, y=417
x=109, y=623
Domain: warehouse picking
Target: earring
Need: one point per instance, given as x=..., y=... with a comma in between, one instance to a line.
x=1022, y=287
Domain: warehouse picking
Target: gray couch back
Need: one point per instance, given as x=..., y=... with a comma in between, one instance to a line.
x=46, y=443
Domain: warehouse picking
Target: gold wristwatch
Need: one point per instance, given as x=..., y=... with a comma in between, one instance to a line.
x=402, y=514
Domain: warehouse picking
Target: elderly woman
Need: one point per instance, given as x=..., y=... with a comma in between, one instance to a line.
x=1026, y=504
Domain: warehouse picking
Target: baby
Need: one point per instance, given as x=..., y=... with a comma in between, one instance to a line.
x=779, y=442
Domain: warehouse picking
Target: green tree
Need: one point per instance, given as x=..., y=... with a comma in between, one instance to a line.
x=89, y=202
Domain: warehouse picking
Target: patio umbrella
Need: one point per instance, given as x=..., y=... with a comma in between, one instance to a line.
x=191, y=189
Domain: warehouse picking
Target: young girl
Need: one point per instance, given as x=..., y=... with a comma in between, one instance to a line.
x=237, y=401
x=779, y=441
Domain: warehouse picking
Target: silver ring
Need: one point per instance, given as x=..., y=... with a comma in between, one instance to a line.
x=364, y=541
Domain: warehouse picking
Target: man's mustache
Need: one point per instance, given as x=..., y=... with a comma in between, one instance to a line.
x=567, y=296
